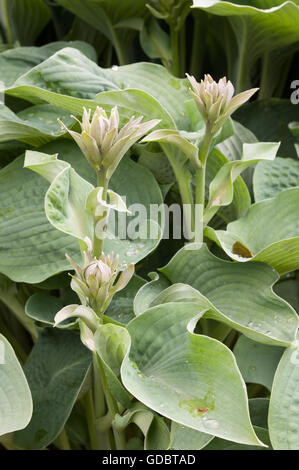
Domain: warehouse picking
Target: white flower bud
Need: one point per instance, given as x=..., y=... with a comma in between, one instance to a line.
x=215, y=101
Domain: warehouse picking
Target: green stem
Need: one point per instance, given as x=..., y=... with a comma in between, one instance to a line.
x=22, y=356
x=121, y=57
x=183, y=178
x=175, y=46
x=119, y=437
x=242, y=64
x=62, y=441
x=7, y=24
x=14, y=305
x=182, y=57
x=197, y=50
x=200, y=176
x=103, y=182
x=264, y=89
x=91, y=420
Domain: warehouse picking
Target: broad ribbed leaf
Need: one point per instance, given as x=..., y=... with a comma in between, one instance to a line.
x=284, y=403
x=69, y=72
x=15, y=62
x=35, y=126
x=55, y=370
x=259, y=26
x=257, y=362
x=31, y=249
x=15, y=395
x=247, y=240
x=65, y=200
x=237, y=294
x=28, y=17
x=270, y=178
x=189, y=378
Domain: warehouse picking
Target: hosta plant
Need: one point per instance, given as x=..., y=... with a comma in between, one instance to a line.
x=149, y=240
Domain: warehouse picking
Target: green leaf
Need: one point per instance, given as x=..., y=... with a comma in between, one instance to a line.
x=55, y=370
x=270, y=178
x=35, y=126
x=153, y=426
x=117, y=21
x=284, y=408
x=259, y=408
x=43, y=308
x=31, y=249
x=15, y=395
x=237, y=294
x=135, y=102
x=222, y=444
x=221, y=187
x=246, y=239
x=15, y=62
x=179, y=374
x=289, y=290
x=183, y=438
x=147, y=293
x=29, y=17
x=65, y=200
x=173, y=137
x=155, y=41
x=257, y=30
x=111, y=343
x=121, y=307
x=269, y=120
x=68, y=72
x=257, y=362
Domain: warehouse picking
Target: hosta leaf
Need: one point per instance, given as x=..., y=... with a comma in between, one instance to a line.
x=183, y=438
x=246, y=239
x=237, y=294
x=154, y=428
x=69, y=72
x=135, y=102
x=15, y=395
x=188, y=378
x=115, y=20
x=155, y=41
x=147, y=293
x=269, y=120
x=284, y=408
x=259, y=408
x=33, y=250
x=258, y=30
x=55, y=369
x=29, y=17
x=15, y=62
x=121, y=307
x=222, y=444
x=270, y=178
x=221, y=187
x=241, y=197
x=111, y=343
x=43, y=308
x=65, y=200
x=289, y=290
x=35, y=125
x=257, y=362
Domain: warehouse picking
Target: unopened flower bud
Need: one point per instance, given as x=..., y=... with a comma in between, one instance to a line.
x=99, y=279
x=101, y=141
x=215, y=101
